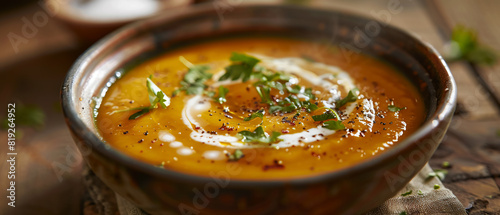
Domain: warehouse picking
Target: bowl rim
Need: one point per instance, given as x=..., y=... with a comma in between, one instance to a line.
x=442, y=112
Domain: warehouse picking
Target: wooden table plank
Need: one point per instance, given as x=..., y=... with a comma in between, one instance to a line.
x=474, y=15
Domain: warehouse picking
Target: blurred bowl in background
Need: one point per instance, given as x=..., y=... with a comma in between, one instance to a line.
x=90, y=20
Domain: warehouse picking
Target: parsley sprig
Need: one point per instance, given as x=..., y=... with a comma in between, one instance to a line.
x=351, y=97
x=259, y=114
x=465, y=46
x=241, y=67
x=156, y=97
x=221, y=98
x=235, y=156
x=328, y=115
x=259, y=136
x=194, y=80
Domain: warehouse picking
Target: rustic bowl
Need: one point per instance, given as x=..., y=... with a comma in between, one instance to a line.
x=349, y=191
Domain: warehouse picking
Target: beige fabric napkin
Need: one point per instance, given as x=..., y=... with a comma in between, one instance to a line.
x=427, y=201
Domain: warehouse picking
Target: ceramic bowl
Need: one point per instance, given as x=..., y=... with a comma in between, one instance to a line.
x=349, y=191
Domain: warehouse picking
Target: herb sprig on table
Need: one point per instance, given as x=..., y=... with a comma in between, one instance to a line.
x=465, y=45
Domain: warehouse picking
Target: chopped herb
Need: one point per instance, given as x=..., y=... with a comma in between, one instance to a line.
x=329, y=114
x=195, y=78
x=407, y=193
x=156, y=97
x=309, y=93
x=235, y=156
x=439, y=173
x=139, y=113
x=221, y=98
x=403, y=213
x=436, y=186
x=351, y=97
x=241, y=67
x=446, y=164
x=334, y=125
x=259, y=136
x=259, y=114
x=264, y=93
x=465, y=46
x=393, y=108
x=295, y=89
x=419, y=192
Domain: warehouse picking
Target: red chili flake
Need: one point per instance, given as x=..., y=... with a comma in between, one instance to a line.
x=284, y=131
x=161, y=144
x=197, y=127
x=153, y=141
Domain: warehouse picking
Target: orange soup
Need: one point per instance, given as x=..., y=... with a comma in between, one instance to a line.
x=275, y=107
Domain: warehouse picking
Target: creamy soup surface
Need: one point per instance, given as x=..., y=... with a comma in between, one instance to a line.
x=261, y=108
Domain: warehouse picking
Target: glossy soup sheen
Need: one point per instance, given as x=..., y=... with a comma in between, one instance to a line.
x=371, y=128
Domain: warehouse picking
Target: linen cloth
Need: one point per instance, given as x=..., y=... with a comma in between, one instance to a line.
x=427, y=201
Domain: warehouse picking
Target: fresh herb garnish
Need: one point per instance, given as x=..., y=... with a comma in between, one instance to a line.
x=394, y=108
x=329, y=114
x=465, y=46
x=195, y=78
x=259, y=136
x=235, y=156
x=403, y=213
x=156, y=97
x=419, y=192
x=407, y=193
x=446, y=164
x=259, y=114
x=439, y=173
x=241, y=67
x=436, y=186
x=221, y=98
x=334, y=125
x=351, y=97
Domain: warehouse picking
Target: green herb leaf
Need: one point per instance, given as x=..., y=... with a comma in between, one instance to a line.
x=334, y=125
x=259, y=136
x=436, y=186
x=235, y=156
x=403, y=213
x=465, y=46
x=351, y=97
x=264, y=93
x=139, y=113
x=194, y=80
x=295, y=89
x=407, y=193
x=446, y=164
x=308, y=92
x=325, y=116
x=419, y=192
x=156, y=97
x=221, y=98
x=241, y=67
x=439, y=173
x=394, y=108
x=259, y=114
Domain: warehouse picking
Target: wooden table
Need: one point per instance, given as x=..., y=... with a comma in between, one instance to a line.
x=48, y=165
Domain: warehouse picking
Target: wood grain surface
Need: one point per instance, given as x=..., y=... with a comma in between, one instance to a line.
x=48, y=165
